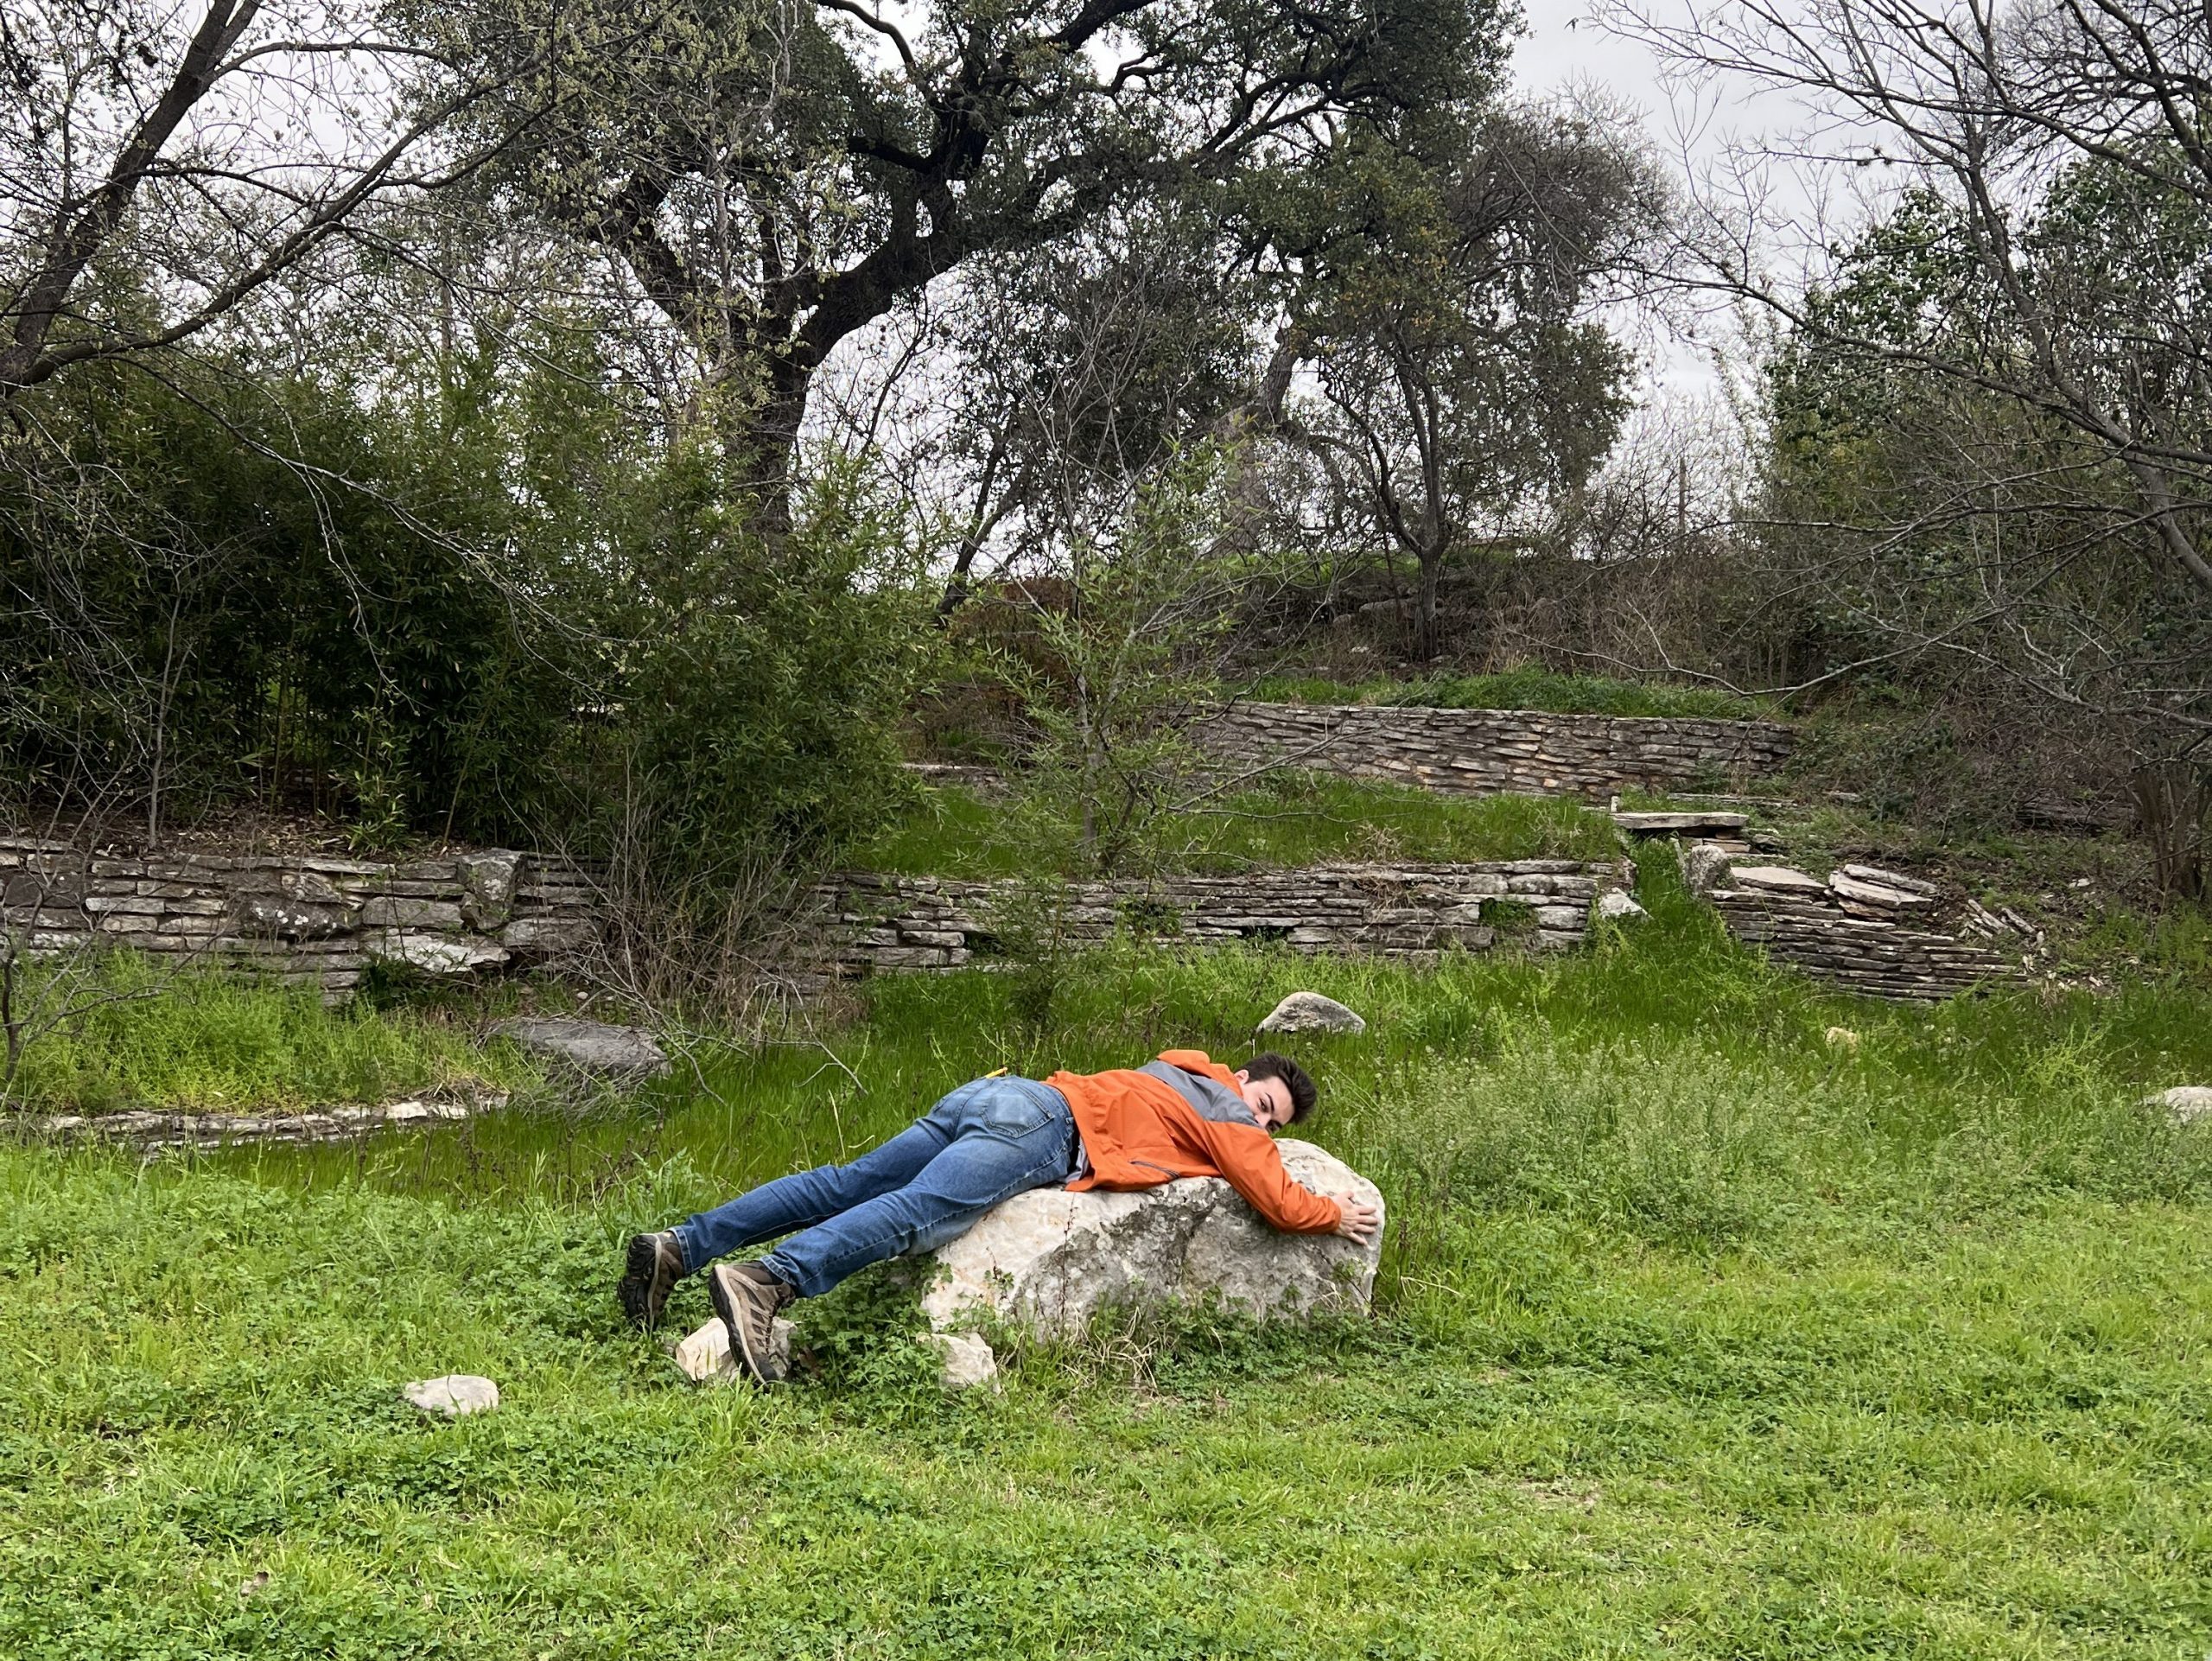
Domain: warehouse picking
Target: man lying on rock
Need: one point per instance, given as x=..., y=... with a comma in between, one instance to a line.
x=1183, y=1115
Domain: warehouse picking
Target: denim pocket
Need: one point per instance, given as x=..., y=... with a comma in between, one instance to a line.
x=1016, y=1107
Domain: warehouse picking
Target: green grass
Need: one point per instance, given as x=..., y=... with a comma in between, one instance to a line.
x=1291, y=819
x=144, y=1038
x=1526, y=688
x=1698, y=1336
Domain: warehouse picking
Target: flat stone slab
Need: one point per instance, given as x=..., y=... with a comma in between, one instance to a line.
x=434, y=954
x=1695, y=822
x=1050, y=1259
x=145, y=1129
x=1774, y=879
x=456, y=1395
x=1310, y=1012
x=1877, y=894
x=1887, y=879
x=592, y=1046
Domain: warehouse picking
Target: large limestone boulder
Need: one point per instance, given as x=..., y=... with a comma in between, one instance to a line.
x=1050, y=1259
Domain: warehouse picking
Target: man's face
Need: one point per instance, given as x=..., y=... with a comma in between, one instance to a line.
x=1269, y=1098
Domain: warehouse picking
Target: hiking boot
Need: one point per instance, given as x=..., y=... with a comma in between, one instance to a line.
x=654, y=1265
x=748, y=1298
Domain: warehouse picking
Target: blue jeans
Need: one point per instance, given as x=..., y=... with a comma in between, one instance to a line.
x=986, y=1141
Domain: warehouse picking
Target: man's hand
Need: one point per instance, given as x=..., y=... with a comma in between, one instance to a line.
x=1358, y=1220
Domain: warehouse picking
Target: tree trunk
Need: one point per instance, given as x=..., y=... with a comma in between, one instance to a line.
x=1426, y=632
x=764, y=447
x=979, y=525
x=2173, y=808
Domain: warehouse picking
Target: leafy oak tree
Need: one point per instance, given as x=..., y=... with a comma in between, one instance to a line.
x=772, y=176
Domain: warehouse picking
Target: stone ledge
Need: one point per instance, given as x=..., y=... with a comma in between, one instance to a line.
x=1486, y=752
x=141, y=1128
x=873, y=922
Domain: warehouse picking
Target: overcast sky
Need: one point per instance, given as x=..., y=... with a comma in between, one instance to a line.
x=1563, y=52
x=1702, y=129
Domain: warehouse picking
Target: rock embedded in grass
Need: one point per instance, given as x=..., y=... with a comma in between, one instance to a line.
x=456, y=1395
x=620, y=1054
x=1615, y=906
x=1050, y=1259
x=2187, y=1103
x=704, y=1356
x=1310, y=1012
x=1705, y=865
x=967, y=1359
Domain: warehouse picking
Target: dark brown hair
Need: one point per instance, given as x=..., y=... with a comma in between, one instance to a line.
x=1299, y=1082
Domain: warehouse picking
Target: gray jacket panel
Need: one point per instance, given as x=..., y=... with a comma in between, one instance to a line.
x=1208, y=1099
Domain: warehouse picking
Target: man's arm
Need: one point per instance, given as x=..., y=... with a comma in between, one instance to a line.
x=1248, y=1157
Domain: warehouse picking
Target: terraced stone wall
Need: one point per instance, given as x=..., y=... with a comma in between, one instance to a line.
x=876, y=924
x=325, y=921
x=1482, y=752
x=1861, y=928
x=1885, y=960
x=302, y=918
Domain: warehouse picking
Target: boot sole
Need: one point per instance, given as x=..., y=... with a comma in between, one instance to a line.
x=635, y=1290
x=741, y=1348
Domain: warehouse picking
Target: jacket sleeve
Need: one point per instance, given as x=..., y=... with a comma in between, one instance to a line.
x=1248, y=1157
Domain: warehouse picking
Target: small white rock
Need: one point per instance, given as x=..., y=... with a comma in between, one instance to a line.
x=1614, y=906
x=968, y=1360
x=1309, y=1012
x=1706, y=866
x=1842, y=1038
x=2187, y=1103
x=456, y=1395
x=434, y=954
x=704, y=1356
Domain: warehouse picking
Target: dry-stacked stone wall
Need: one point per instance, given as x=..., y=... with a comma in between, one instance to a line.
x=876, y=924
x=1887, y=960
x=1487, y=751
x=302, y=918
x=1861, y=929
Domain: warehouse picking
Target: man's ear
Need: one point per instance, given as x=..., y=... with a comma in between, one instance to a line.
x=1243, y=1076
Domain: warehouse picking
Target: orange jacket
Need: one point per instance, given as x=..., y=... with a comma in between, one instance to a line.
x=1185, y=1116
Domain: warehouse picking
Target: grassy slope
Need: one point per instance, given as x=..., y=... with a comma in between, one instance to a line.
x=1701, y=1337
x=1296, y=819
x=201, y=1042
